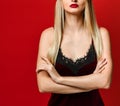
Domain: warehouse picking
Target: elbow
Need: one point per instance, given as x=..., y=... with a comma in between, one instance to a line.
x=43, y=83
x=42, y=88
x=105, y=84
x=104, y=81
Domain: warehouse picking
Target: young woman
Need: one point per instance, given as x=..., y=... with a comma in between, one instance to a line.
x=74, y=58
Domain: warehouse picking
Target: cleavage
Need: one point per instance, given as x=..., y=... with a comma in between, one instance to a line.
x=76, y=60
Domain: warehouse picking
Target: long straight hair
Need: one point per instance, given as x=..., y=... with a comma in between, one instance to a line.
x=89, y=22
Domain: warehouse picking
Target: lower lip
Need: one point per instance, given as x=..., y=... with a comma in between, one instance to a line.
x=73, y=5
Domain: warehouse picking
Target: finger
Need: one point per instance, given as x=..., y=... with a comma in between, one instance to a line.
x=41, y=67
x=39, y=70
x=45, y=59
x=99, y=70
x=101, y=61
x=103, y=68
x=102, y=64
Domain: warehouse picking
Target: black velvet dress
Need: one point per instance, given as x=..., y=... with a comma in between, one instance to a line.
x=82, y=66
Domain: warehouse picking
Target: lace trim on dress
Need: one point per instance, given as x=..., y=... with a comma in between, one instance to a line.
x=78, y=60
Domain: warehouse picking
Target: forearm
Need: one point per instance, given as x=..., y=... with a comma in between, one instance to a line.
x=92, y=81
x=53, y=87
x=46, y=84
x=100, y=78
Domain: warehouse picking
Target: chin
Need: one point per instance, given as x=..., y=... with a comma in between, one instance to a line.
x=74, y=12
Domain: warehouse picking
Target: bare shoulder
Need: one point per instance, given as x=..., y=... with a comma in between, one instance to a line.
x=105, y=36
x=104, y=33
x=44, y=44
x=106, y=41
x=48, y=30
x=45, y=41
x=47, y=34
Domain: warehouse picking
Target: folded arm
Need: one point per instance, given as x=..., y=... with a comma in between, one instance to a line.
x=92, y=81
x=47, y=85
x=44, y=81
x=95, y=80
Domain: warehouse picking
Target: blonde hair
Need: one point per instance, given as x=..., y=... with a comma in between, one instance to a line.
x=89, y=22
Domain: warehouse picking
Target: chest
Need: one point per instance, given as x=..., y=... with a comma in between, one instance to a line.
x=75, y=48
x=81, y=66
x=75, y=51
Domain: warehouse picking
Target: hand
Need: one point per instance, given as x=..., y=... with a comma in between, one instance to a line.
x=47, y=66
x=100, y=65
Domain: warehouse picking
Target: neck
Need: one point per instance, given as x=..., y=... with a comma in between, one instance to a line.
x=73, y=23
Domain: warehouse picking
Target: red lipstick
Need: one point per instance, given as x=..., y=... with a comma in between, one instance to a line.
x=74, y=5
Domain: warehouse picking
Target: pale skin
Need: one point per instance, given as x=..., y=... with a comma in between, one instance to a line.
x=74, y=35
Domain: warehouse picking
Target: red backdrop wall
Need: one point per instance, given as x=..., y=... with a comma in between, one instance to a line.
x=22, y=22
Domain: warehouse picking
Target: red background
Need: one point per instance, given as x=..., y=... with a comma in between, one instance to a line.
x=22, y=22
